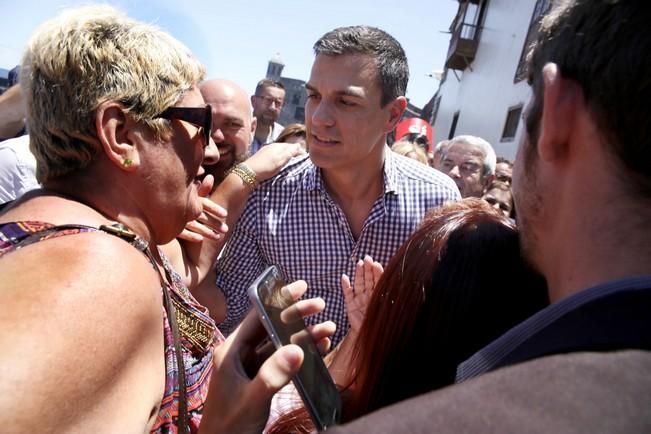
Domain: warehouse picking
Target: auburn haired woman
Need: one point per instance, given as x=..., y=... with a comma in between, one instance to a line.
x=455, y=285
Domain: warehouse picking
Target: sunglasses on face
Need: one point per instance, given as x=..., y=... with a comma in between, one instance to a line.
x=198, y=116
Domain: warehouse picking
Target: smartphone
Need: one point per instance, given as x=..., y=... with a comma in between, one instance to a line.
x=285, y=326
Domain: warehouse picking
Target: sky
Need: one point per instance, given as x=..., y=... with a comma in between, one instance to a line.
x=236, y=39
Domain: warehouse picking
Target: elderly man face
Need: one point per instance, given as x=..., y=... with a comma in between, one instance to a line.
x=465, y=164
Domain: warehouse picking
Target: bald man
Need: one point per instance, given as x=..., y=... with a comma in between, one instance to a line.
x=233, y=123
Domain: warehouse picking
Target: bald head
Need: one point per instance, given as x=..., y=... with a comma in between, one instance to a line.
x=233, y=123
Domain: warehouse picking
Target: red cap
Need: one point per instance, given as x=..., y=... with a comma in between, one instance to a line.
x=414, y=125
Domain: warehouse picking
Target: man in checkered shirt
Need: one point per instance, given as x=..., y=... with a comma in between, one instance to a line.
x=351, y=197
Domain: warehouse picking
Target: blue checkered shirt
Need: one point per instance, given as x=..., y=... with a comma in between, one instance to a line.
x=292, y=221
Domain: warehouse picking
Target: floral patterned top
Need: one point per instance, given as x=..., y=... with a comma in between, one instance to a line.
x=198, y=332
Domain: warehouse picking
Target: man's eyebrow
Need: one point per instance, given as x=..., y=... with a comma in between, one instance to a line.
x=352, y=92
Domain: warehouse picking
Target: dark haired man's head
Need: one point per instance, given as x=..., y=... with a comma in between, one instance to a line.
x=390, y=58
x=268, y=101
x=503, y=170
x=603, y=46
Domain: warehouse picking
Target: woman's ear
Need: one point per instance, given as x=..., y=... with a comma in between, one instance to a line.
x=114, y=131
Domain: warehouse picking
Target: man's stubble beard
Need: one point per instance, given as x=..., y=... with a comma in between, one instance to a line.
x=528, y=203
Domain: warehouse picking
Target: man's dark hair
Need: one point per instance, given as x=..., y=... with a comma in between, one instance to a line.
x=505, y=161
x=265, y=82
x=604, y=46
x=390, y=58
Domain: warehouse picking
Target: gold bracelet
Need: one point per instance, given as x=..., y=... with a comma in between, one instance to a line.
x=246, y=174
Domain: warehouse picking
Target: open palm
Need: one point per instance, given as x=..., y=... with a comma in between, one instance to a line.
x=358, y=294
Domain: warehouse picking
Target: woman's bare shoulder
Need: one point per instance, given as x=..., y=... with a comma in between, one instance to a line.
x=80, y=318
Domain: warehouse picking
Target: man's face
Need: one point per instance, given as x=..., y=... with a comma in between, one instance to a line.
x=464, y=163
x=527, y=194
x=232, y=128
x=503, y=173
x=346, y=125
x=267, y=104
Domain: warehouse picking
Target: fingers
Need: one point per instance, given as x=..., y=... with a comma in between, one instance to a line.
x=372, y=272
x=346, y=287
x=302, y=309
x=274, y=373
x=378, y=270
x=214, y=209
x=212, y=224
x=206, y=185
x=359, y=280
x=296, y=289
x=204, y=230
x=295, y=149
x=196, y=231
x=268, y=161
x=321, y=334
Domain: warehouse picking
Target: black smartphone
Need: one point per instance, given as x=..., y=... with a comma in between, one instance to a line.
x=285, y=326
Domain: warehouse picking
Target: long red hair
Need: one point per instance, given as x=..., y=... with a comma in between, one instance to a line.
x=455, y=285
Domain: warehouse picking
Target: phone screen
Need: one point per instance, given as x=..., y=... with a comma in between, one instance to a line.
x=285, y=326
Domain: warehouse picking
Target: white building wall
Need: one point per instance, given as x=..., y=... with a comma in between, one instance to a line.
x=484, y=94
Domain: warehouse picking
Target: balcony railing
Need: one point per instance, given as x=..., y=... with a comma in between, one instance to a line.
x=463, y=46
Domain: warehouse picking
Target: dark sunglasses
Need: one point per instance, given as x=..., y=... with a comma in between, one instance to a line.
x=197, y=116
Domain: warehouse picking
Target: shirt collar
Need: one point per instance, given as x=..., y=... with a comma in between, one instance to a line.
x=314, y=179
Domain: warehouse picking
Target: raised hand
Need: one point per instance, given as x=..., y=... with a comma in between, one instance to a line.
x=268, y=161
x=358, y=295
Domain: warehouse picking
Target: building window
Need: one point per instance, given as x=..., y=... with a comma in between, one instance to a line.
x=511, y=123
x=453, y=127
x=296, y=100
x=541, y=8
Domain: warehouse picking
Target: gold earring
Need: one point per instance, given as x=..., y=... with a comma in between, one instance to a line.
x=127, y=162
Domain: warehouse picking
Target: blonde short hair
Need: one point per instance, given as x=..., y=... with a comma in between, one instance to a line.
x=85, y=57
x=405, y=148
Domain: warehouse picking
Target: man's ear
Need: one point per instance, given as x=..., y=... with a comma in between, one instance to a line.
x=396, y=109
x=254, y=124
x=562, y=98
x=114, y=131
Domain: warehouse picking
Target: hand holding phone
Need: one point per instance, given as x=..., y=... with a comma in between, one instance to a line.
x=284, y=324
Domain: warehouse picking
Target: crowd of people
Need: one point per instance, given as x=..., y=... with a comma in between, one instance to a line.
x=448, y=289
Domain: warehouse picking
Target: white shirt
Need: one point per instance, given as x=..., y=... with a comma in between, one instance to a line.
x=273, y=135
x=17, y=169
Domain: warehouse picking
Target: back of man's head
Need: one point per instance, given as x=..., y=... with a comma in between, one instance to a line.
x=390, y=58
x=604, y=46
